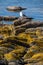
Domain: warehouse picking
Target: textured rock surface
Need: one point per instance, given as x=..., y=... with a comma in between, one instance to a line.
x=22, y=46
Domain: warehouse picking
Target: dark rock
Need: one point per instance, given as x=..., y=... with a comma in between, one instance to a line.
x=22, y=20
x=3, y=62
x=20, y=30
x=30, y=25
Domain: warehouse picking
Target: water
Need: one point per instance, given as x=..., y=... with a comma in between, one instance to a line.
x=34, y=8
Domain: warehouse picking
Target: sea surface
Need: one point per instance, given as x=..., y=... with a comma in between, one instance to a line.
x=34, y=8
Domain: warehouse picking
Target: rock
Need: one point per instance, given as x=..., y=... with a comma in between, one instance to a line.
x=20, y=30
x=3, y=62
x=8, y=18
x=30, y=25
x=11, y=63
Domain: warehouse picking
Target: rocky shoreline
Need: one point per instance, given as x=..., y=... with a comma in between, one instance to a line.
x=21, y=43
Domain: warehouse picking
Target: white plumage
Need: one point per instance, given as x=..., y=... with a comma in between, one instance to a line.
x=21, y=13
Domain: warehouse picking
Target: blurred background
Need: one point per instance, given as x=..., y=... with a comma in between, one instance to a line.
x=34, y=8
